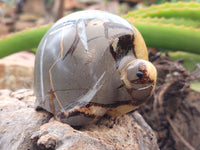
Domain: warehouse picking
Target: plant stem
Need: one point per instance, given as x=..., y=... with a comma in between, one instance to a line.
x=27, y=39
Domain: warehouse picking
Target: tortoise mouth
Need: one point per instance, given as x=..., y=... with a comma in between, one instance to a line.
x=140, y=86
x=151, y=85
x=144, y=88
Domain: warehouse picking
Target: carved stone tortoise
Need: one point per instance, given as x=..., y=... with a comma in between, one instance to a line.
x=92, y=63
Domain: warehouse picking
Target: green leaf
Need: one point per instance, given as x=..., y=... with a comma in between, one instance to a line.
x=190, y=59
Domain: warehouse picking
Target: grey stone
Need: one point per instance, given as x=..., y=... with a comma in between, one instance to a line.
x=22, y=128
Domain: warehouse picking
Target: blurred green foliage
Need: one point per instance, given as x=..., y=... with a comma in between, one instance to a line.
x=190, y=59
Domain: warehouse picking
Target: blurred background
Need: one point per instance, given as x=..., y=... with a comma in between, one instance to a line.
x=16, y=15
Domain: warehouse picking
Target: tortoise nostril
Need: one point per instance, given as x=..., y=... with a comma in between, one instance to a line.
x=139, y=74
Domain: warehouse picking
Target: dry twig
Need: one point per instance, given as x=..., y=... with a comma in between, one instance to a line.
x=188, y=145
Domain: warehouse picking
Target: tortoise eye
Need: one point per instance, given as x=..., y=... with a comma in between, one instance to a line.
x=139, y=74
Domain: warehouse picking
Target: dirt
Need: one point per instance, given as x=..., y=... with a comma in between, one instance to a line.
x=173, y=111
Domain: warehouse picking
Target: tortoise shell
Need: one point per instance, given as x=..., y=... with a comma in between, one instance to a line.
x=92, y=63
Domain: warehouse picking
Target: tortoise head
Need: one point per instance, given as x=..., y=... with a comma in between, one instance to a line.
x=139, y=77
